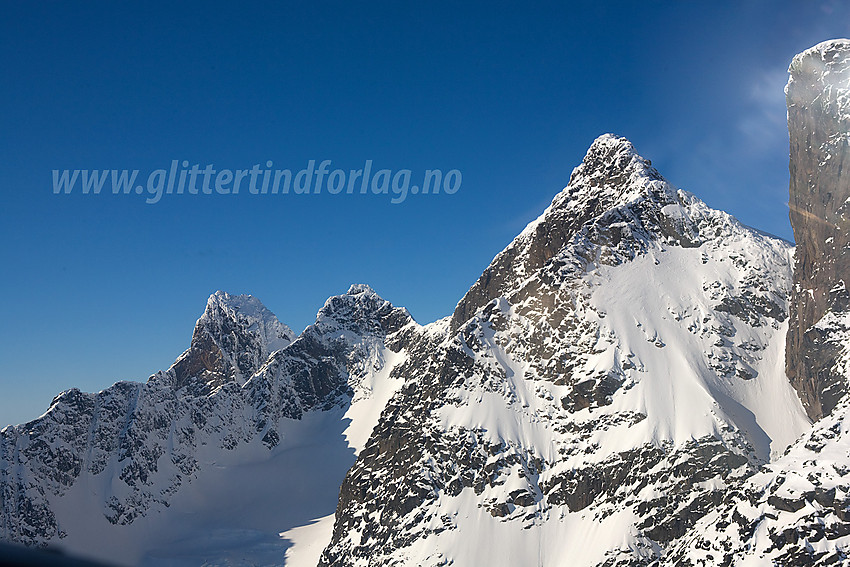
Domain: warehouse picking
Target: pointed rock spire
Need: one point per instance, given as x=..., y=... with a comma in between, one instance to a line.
x=232, y=339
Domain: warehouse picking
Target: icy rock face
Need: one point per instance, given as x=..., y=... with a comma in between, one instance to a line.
x=133, y=446
x=818, y=97
x=614, y=369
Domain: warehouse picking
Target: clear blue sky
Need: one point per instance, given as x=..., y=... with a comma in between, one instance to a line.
x=101, y=288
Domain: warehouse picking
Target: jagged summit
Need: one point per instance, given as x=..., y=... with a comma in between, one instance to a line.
x=614, y=198
x=361, y=308
x=359, y=288
x=613, y=172
x=231, y=340
x=246, y=304
x=248, y=308
x=826, y=45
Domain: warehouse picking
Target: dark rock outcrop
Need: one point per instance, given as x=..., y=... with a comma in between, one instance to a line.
x=818, y=98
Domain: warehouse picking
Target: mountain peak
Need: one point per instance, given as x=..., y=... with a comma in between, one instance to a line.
x=250, y=312
x=361, y=308
x=612, y=175
x=235, y=301
x=231, y=340
x=611, y=144
x=613, y=172
x=247, y=308
x=359, y=288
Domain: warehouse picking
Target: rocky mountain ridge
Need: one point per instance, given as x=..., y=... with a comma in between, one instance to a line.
x=238, y=389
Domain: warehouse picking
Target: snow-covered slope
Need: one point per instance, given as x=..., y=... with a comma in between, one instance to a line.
x=247, y=435
x=593, y=394
x=796, y=511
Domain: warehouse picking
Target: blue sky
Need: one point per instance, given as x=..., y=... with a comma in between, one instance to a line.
x=101, y=288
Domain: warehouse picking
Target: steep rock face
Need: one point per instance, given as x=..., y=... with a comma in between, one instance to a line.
x=84, y=473
x=612, y=371
x=818, y=97
x=233, y=337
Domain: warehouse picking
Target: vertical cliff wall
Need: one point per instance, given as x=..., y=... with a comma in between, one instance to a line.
x=818, y=98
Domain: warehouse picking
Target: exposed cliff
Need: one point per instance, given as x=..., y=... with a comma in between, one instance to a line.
x=818, y=97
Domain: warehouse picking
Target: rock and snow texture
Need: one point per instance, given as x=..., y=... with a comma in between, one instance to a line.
x=611, y=392
x=796, y=511
x=611, y=373
x=818, y=98
x=245, y=436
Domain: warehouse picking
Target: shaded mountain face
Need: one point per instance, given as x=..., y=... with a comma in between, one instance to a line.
x=818, y=97
x=86, y=473
x=616, y=367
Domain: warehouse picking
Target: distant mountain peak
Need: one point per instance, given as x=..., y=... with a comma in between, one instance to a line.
x=361, y=308
x=246, y=308
x=359, y=288
x=232, y=339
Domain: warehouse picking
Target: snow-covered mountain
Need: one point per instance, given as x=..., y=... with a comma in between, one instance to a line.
x=612, y=391
x=614, y=369
x=247, y=435
x=609, y=375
